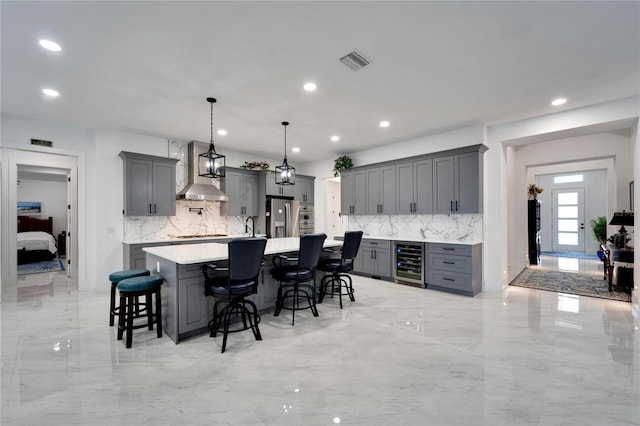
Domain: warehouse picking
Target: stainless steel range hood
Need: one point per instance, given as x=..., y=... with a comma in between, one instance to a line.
x=199, y=188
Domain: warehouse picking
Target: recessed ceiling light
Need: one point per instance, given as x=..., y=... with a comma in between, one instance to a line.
x=559, y=101
x=310, y=87
x=335, y=138
x=222, y=132
x=384, y=124
x=295, y=149
x=51, y=92
x=50, y=45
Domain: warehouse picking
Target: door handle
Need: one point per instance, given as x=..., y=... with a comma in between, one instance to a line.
x=582, y=226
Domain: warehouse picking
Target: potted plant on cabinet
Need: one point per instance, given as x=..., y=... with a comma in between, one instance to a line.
x=341, y=164
x=257, y=165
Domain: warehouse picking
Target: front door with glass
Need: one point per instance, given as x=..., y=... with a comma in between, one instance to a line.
x=568, y=220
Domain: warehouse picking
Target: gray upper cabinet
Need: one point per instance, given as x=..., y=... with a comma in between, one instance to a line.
x=149, y=185
x=443, y=182
x=458, y=183
x=279, y=190
x=242, y=188
x=304, y=189
x=381, y=190
x=353, y=186
x=415, y=186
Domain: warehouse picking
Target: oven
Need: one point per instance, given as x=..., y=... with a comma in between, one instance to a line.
x=306, y=220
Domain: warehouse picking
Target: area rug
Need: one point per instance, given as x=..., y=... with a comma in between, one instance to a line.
x=570, y=254
x=38, y=267
x=568, y=282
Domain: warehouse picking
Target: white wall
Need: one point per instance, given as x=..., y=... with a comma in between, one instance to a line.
x=52, y=195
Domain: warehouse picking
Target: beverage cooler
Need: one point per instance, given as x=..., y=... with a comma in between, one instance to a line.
x=409, y=263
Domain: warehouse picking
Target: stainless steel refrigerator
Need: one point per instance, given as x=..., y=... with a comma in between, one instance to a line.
x=283, y=218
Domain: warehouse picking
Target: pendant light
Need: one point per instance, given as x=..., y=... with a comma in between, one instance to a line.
x=210, y=163
x=285, y=174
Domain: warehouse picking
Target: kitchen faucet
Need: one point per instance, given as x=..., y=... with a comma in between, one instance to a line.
x=253, y=226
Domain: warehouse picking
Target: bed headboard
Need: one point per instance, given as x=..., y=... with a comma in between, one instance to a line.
x=28, y=224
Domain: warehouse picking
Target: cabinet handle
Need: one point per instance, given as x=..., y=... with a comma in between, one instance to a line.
x=449, y=263
x=155, y=208
x=448, y=249
x=448, y=279
x=150, y=209
x=456, y=205
x=381, y=209
x=451, y=208
x=415, y=207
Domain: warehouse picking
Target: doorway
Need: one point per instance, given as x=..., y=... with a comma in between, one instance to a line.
x=11, y=161
x=568, y=220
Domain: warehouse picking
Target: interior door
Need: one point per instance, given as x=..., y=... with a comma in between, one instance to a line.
x=568, y=230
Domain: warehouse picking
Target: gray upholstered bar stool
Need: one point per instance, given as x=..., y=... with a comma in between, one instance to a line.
x=115, y=278
x=130, y=290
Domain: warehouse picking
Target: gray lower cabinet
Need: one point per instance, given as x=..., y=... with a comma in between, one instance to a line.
x=242, y=187
x=149, y=185
x=374, y=258
x=455, y=268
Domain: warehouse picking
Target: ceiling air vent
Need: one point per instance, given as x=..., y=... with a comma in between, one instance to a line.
x=354, y=60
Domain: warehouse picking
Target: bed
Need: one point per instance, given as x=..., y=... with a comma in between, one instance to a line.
x=35, y=240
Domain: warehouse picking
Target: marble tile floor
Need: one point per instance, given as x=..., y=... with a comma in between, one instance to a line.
x=399, y=355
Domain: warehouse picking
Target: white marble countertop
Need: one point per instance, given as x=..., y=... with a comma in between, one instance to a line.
x=418, y=239
x=210, y=252
x=183, y=240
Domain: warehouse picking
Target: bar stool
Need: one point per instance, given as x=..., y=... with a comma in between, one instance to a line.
x=130, y=289
x=338, y=281
x=115, y=278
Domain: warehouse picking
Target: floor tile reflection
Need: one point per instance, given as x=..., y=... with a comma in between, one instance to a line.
x=398, y=355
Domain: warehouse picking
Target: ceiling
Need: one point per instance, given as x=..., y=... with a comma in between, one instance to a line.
x=147, y=67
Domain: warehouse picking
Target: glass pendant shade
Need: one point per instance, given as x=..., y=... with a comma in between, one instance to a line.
x=285, y=174
x=210, y=163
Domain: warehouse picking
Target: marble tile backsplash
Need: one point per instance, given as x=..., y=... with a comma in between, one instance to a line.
x=455, y=227
x=153, y=228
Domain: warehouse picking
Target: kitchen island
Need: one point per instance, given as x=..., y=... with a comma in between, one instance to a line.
x=186, y=310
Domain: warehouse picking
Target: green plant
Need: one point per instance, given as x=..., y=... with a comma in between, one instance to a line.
x=257, y=165
x=341, y=163
x=599, y=228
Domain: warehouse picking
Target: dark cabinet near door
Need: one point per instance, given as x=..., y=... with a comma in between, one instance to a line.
x=149, y=185
x=533, y=230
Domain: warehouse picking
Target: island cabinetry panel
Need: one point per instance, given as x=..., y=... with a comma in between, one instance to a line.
x=242, y=187
x=353, y=186
x=149, y=185
x=374, y=258
x=304, y=190
x=457, y=182
x=414, y=186
x=381, y=190
x=455, y=268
